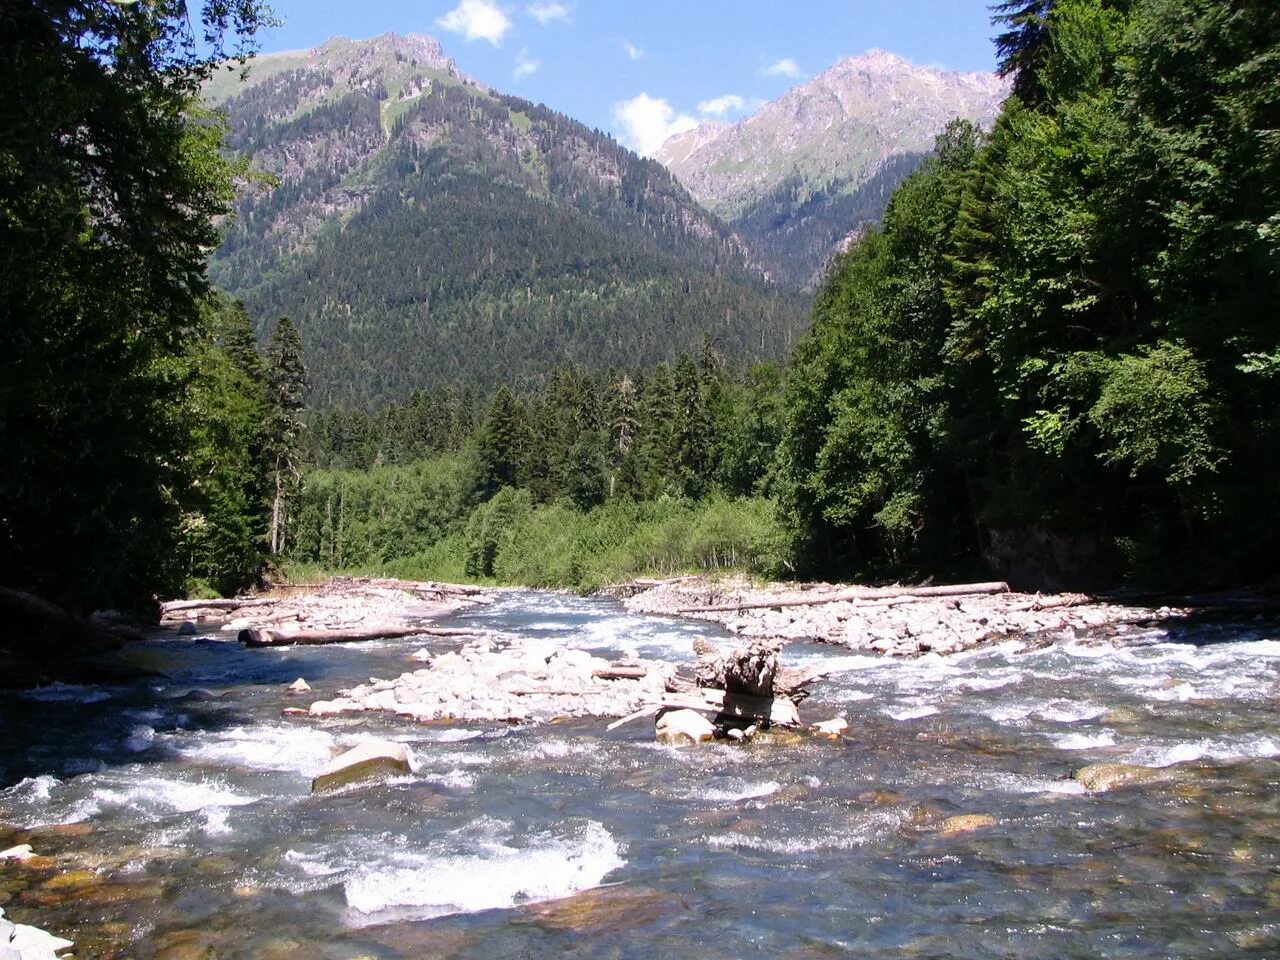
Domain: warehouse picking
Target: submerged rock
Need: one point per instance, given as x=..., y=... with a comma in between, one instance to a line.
x=369, y=759
x=604, y=909
x=965, y=823
x=1099, y=777
x=684, y=726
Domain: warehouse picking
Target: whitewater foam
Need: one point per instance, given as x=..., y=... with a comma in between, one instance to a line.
x=496, y=877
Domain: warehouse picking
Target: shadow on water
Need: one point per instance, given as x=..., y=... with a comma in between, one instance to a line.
x=189, y=685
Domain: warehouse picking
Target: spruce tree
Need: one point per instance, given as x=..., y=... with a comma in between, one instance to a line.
x=286, y=384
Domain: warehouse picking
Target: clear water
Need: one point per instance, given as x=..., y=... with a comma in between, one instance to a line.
x=206, y=841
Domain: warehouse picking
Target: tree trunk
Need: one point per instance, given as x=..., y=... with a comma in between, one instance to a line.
x=265, y=637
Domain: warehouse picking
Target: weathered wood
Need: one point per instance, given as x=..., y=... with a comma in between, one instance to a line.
x=267, y=637
x=620, y=673
x=177, y=606
x=1053, y=603
x=644, y=711
x=735, y=705
x=751, y=670
x=861, y=593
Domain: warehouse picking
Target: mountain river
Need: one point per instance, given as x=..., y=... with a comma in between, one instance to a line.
x=194, y=833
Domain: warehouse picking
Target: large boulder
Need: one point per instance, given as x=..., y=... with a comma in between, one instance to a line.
x=369, y=759
x=684, y=726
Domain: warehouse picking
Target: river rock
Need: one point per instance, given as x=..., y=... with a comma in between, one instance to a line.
x=684, y=726
x=965, y=823
x=1099, y=777
x=299, y=686
x=603, y=910
x=368, y=759
x=831, y=728
x=21, y=852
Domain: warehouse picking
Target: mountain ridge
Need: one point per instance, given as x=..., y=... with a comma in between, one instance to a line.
x=846, y=136
x=424, y=229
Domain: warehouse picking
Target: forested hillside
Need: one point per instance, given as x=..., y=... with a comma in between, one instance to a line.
x=1061, y=351
x=423, y=230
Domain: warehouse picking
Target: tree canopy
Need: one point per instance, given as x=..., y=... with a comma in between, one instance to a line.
x=110, y=180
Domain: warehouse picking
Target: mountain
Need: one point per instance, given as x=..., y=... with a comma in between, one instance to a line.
x=807, y=170
x=422, y=229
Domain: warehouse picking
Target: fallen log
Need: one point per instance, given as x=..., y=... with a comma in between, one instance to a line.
x=860, y=593
x=176, y=606
x=620, y=673
x=265, y=637
x=732, y=706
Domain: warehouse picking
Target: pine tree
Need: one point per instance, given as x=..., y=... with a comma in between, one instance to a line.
x=286, y=385
x=110, y=182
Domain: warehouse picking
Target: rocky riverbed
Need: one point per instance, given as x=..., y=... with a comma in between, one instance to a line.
x=1049, y=795
x=902, y=625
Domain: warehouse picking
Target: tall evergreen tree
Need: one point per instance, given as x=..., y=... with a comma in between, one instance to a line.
x=110, y=182
x=287, y=385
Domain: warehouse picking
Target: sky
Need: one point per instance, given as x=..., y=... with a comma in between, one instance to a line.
x=645, y=69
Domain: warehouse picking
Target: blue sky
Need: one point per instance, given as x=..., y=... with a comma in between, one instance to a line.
x=642, y=69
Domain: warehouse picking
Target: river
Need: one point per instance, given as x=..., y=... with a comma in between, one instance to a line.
x=203, y=840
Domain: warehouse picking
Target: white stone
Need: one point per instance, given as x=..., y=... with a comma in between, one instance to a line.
x=361, y=761
x=21, y=852
x=22, y=942
x=299, y=686
x=833, y=727
x=684, y=726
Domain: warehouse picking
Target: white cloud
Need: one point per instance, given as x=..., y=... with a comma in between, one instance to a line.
x=722, y=106
x=546, y=12
x=525, y=65
x=786, y=67
x=646, y=122
x=477, y=20
x=633, y=52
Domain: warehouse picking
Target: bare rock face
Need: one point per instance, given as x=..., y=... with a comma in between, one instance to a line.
x=370, y=759
x=684, y=726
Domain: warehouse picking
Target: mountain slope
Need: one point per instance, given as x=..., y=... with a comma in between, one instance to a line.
x=427, y=230
x=808, y=169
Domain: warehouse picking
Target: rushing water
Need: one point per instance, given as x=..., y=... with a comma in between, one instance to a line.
x=204, y=839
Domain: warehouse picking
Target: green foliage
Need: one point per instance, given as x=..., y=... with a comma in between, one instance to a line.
x=352, y=519
x=110, y=182
x=225, y=518
x=1066, y=332
x=286, y=385
x=491, y=527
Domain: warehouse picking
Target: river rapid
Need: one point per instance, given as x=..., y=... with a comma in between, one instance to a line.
x=198, y=835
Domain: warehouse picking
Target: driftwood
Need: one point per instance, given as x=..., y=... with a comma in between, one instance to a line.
x=620, y=673
x=177, y=606
x=266, y=637
x=861, y=593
